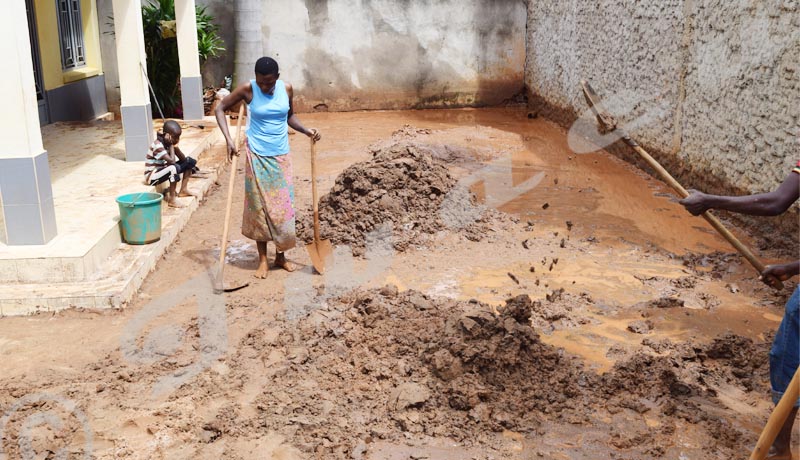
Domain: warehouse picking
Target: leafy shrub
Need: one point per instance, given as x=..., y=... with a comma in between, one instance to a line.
x=161, y=46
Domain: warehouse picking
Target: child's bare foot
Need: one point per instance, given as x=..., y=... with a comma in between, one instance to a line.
x=262, y=271
x=280, y=261
x=187, y=193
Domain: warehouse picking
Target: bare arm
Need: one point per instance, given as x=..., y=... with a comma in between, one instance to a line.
x=179, y=154
x=294, y=122
x=783, y=271
x=762, y=204
x=242, y=94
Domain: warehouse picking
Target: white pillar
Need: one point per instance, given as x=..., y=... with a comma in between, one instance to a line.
x=137, y=119
x=27, y=214
x=191, y=82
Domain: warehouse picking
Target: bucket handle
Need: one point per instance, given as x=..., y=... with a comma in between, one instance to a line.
x=133, y=203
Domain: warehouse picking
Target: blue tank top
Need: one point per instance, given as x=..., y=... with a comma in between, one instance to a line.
x=267, y=128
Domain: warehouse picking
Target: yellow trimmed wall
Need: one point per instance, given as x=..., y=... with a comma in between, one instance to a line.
x=49, y=45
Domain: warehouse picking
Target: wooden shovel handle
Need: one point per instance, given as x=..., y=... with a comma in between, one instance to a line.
x=231, y=181
x=314, y=188
x=777, y=419
x=710, y=218
x=604, y=117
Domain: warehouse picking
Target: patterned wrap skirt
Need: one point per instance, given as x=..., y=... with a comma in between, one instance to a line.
x=269, y=213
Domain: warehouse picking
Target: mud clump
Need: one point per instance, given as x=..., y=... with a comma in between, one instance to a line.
x=560, y=310
x=641, y=326
x=404, y=185
x=664, y=302
x=508, y=376
x=652, y=377
x=718, y=264
x=746, y=361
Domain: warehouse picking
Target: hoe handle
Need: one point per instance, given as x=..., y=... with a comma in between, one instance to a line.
x=314, y=188
x=224, y=243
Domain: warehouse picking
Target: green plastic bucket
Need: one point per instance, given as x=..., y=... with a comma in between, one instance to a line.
x=140, y=217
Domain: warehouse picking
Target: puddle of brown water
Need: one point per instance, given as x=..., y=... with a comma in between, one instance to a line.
x=625, y=201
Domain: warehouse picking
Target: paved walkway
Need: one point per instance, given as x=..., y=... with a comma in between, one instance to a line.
x=86, y=264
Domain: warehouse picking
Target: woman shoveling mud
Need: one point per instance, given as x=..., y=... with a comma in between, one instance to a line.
x=269, y=213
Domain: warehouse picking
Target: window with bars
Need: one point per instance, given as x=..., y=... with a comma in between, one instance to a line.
x=71, y=29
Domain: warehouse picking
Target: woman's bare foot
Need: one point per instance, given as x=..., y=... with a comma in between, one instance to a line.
x=281, y=261
x=262, y=271
x=174, y=203
x=779, y=454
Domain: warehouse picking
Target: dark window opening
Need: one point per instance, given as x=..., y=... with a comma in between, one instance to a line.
x=71, y=34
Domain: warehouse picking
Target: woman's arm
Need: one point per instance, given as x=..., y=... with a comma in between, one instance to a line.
x=242, y=94
x=294, y=122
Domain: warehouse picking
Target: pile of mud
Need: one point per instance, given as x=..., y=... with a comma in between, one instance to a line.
x=405, y=185
x=375, y=364
x=383, y=365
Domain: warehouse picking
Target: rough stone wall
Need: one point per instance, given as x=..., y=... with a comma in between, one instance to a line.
x=394, y=54
x=710, y=87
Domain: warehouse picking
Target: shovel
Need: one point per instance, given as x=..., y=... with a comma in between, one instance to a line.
x=219, y=284
x=608, y=123
x=319, y=250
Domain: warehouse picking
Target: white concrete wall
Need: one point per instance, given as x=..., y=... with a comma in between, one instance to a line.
x=108, y=50
x=711, y=87
x=385, y=54
x=19, y=120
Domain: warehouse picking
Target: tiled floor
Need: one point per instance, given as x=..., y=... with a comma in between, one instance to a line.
x=88, y=170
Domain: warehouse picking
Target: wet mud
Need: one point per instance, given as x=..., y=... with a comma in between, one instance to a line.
x=407, y=363
x=607, y=324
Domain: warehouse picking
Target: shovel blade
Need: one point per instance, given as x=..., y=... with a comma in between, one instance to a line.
x=321, y=254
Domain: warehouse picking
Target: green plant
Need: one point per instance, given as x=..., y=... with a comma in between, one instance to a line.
x=161, y=46
x=209, y=43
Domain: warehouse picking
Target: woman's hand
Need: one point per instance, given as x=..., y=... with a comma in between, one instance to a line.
x=232, y=150
x=314, y=134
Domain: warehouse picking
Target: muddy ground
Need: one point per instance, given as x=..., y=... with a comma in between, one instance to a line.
x=590, y=317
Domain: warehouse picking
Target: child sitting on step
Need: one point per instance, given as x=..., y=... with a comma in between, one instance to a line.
x=166, y=162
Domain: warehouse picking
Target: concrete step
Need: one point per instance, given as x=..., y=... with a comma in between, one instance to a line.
x=114, y=272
